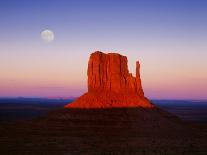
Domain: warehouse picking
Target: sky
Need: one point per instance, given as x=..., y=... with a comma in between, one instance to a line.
x=168, y=37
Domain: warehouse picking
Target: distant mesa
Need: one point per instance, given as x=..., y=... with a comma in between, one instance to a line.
x=110, y=85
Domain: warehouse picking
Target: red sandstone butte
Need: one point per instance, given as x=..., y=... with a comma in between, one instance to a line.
x=110, y=85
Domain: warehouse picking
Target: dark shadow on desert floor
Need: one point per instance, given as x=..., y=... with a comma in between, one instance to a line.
x=104, y=131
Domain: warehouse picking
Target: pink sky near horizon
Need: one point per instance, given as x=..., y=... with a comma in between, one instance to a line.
x=56, y=71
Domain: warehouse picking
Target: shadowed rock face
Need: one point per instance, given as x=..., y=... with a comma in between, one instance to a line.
x=110, y=84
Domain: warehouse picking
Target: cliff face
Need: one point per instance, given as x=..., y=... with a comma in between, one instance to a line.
x=109, y=72
x=110, y=84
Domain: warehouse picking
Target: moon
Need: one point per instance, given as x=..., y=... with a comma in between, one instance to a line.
x=47, y=35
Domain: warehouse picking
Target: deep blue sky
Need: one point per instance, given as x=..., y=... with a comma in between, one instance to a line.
x=169, y=37
x=148, y=17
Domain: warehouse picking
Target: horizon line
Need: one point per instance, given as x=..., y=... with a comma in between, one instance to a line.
x=74, y=97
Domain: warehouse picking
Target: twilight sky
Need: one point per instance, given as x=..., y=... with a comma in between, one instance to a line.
x=169, y=37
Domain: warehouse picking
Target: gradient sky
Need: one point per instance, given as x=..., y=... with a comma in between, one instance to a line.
x=169, y=37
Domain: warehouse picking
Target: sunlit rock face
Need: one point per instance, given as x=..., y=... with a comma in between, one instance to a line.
x=109, y=72
x=110, y=84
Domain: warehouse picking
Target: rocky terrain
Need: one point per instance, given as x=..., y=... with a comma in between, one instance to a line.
x=111, y=85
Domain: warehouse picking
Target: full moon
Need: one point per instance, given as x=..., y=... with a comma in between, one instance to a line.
x=47, y=35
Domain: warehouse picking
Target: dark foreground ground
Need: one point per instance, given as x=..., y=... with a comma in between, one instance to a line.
x=110, y=131
x=103, y=131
